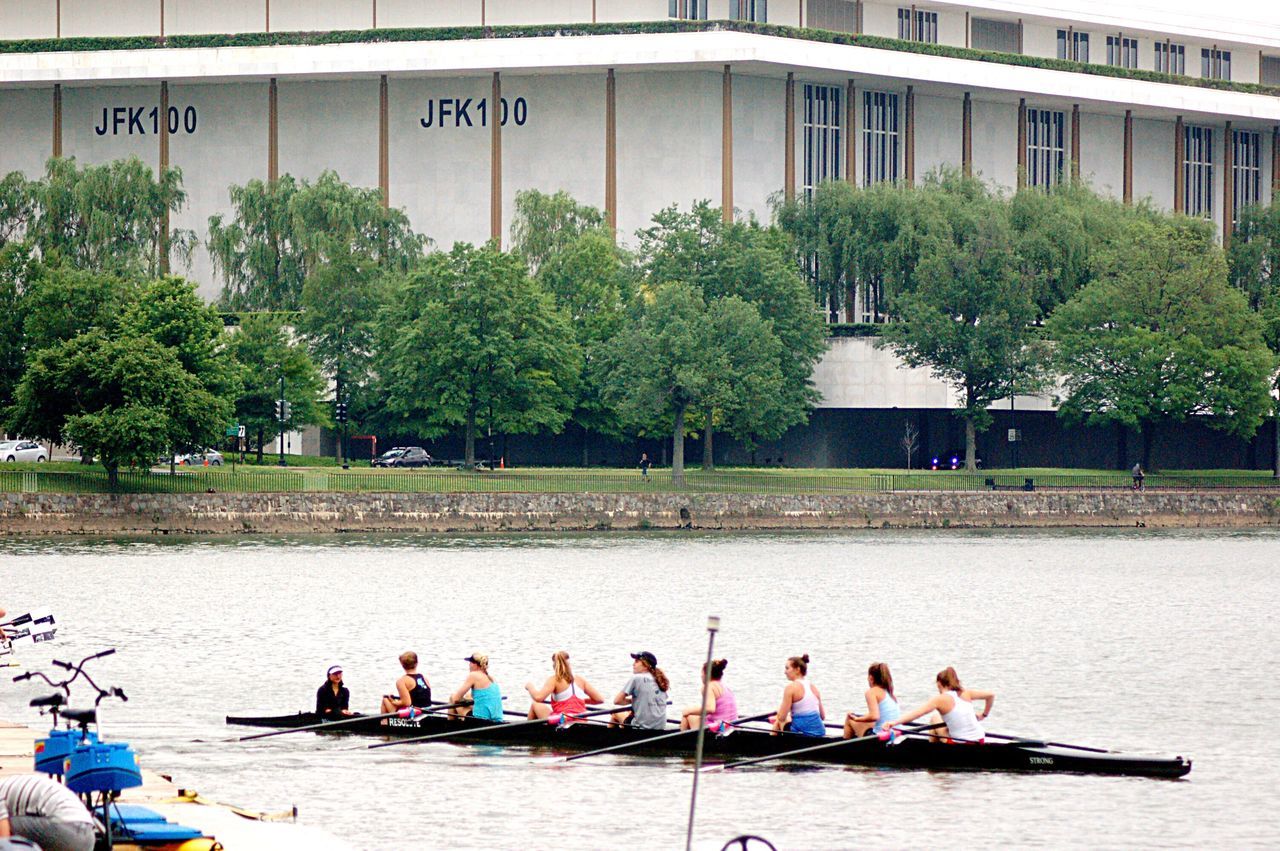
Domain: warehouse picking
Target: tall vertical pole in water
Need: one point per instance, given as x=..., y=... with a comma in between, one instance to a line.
x=713, y=626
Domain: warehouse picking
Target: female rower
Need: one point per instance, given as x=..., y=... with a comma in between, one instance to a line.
x=801, y=702
x=882, y=704
x=487, y=699
x=646, y=692
x=333, y=698
x=569, y=693
x=412, y=689
x=721, y=704
x=954, y=703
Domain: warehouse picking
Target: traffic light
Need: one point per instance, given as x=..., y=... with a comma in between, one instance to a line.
x=279, y=410
x=284, y=414
x=340, y=412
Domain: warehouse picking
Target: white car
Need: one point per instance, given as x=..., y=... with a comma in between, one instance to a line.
x=23, y=450
x=197, y=459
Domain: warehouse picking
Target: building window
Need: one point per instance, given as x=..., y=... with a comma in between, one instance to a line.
x=1122, y=52
x=987, y=34
x=1046, y=131
x=1215, y=64
x=1246, y=171
x=823, y=142
x=1171, y=58
x=837, y=15
x=1270, y=74
x=920, y=26
x=692, y=10
x=1197, y=170
x=879, y=137
x=1073, y=45
x=749, y=10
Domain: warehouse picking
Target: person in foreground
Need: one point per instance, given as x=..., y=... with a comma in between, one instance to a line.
x=35, y=807
x=645, y=693
x=333, y=700
x=721, y=704
x=801, y=702
x=882, y=704
x=570, y=694
x=485, y=695
x=412, y=689
x=954, y=703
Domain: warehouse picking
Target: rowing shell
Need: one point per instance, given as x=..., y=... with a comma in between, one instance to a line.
x=745, y=743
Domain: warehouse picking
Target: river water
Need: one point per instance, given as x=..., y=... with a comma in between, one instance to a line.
x=1143, y=641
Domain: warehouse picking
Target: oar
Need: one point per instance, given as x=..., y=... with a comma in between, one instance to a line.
x=352, y=720
x=651, y=739
x=491, y=726
x=1026, y=741
x=822, y=747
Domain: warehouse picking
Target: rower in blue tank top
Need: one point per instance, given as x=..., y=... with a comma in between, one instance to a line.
x=485, y=694
x=882, y=705
x=801, y=702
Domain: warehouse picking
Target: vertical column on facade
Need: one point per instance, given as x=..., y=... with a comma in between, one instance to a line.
x=909, y=139
x=384, y=143
x=1020, y=31
x=968, y=27
x=857, y=17
x=273, y=131
x=1022, y=143
x=1075, y=143
x=851, y=135
x=800, y=5
x=495, y=160
x=1128, y=156
x=161, y=18
x=266, y=15
x=966, y=135
x=1179, y=156
x=57, y=119
x=375, y=14
x=57, y=19
x=789, y=139
x=611, y=152
x=163, y=248
x=1228, y=185
x=726, y=147
x=593, y=11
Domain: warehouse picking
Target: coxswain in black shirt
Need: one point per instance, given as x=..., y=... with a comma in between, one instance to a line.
x=332, y=698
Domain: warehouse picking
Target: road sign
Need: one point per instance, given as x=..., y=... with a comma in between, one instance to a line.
x=240, y=432
x=235, y=431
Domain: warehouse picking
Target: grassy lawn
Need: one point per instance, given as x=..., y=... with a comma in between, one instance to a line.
x=73, y=477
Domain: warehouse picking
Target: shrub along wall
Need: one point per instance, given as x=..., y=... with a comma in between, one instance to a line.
x=49, y=45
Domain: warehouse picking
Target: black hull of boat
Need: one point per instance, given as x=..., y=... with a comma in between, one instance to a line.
x=744, y=744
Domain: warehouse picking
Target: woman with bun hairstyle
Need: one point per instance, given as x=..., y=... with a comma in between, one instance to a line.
x=801, y=702
x=570, y=694
x=882, y=704
x=721, y=704
x=954, y=703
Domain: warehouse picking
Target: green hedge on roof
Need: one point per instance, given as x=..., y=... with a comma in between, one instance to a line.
x=48, y=45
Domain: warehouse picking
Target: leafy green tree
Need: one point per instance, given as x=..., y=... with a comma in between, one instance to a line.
x=470, y=337
x=546, y=225
x=17, y=207
x=1161, y=336
x=683, y=355
x=15, y=271
x=968, y=318
x=155, y=381
x=340, y=302
x=109, y=218
x=61, y=302
x=283, y=231
x=1254, y=265
x=755, y=264
x=266, y=354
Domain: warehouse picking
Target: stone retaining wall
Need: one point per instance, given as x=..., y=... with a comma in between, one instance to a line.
x=255, y=513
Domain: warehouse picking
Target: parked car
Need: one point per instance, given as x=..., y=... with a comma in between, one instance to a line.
x=23, y=450
x=197, y=459
x=404, y=456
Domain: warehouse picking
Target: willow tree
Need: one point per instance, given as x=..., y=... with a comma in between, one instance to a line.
x=544, y=226
x=282, y=231
x=110, y=218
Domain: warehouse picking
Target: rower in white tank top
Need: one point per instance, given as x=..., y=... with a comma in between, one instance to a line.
x=962, y=721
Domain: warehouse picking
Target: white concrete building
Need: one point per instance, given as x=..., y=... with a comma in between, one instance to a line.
x=632, y=118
